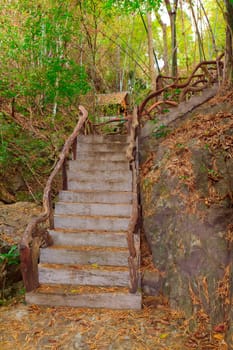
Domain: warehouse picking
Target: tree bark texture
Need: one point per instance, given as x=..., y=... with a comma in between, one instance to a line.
x=228, y=75
x=172, y=9
x=165, y=43
x=150, y=52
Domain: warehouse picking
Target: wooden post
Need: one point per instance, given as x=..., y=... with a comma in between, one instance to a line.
x=51, y=218
x=74, y=149
x=29, y=265
x=64, y=175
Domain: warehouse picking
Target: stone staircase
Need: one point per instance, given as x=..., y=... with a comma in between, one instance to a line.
x=87, y=266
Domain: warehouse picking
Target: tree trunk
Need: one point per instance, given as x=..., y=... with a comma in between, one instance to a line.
x=174, y=44
x=210, y=28
x=200, y=43
x=165, y=43
x=228, y=75
x=172, y=9
x=184, y=36
x=150, y=52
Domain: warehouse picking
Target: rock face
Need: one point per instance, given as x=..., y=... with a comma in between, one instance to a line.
x=187, y=202
x=14, y=219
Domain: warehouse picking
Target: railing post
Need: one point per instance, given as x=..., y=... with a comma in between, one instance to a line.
x=64, y=175
x=51, y=219
x=133, y=259
x=74, y=149
x=29, y=265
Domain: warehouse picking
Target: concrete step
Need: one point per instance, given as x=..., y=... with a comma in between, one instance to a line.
x=94, y=209
x=96, y=197
x=91, y=223
x=83, y=276
x=94, y=164
x=113, y=185
x=85, y=297
x=99, y=175
x=93, y=139
x=82, y=238
x=87, y=265
x=101, y=147
x=101, y=156
x=84, y=256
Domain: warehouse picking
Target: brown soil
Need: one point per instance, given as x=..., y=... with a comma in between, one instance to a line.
x=155, y=327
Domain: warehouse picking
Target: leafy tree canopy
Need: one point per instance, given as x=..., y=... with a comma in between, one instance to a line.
x=134, y=5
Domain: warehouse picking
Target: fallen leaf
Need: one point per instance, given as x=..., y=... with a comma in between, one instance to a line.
x=218, y=336
x=163, y=335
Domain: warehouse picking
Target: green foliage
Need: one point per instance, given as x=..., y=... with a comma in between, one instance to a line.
x=134, y=6
x=11, y=257
x=52, y=51
x=162, y=131
x=25, y=157
x=35, y=52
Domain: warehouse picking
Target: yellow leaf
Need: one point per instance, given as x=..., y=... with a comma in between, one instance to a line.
x=95, y=265
x=163, y=336
x=218, y=336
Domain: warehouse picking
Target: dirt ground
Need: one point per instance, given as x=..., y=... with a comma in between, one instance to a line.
x=155, y=327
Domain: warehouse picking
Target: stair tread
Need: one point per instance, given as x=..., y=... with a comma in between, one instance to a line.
x=102, y=217
x=77, y=231
x=92, y=274
x=96, y=191
x=85, y=191
x=97, y=196
x=95, y=203
x=87, y=248
x=103, y=138
x=88, y=268
x=103, y=185
x=112, y=299
x=75, y=178
x=90, y=209
x=74, y=289
x=102, y=171
x=88, y=256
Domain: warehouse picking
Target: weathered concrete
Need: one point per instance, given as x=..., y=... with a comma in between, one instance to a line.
x=88, y=277
x=111, y=185
x=85, y=238
x=91, y=223
x=110, y=139
x=93, y=164
x=100, y=300
x=94, y=209
x=101, y=147
x=91, y=220
x=96, y=197
x=96, y=175
x=70, y=255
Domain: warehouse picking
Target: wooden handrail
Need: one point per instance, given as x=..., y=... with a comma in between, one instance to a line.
x=205, y=77
x=133, y=259
x=29, y=245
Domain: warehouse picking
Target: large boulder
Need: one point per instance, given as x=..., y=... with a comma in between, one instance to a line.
x=187, y=203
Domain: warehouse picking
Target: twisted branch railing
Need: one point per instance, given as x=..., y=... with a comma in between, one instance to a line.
x=33, y=235
x=178, y=91
x=133, y=240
